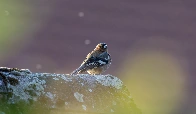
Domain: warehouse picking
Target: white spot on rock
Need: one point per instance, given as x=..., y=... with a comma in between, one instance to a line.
x=66, y=103
x=26, y=70
x=53, y=106
x=84, y=107
x=79, y=96
x=55, y=78
x=65, y=78
x=109, y=81
x=50, y=95
x=90, y=90
x=112, y=110
x=35, y=98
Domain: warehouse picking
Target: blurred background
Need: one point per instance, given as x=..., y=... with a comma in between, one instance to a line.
x=152, y=44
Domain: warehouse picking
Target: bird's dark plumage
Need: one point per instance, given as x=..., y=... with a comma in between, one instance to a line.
x=96, y=62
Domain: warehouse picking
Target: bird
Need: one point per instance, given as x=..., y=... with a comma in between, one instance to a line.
x=96, y=62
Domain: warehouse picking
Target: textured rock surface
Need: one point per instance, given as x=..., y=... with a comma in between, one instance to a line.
x=24, y=92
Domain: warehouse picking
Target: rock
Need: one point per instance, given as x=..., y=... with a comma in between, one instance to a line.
x=22, y=91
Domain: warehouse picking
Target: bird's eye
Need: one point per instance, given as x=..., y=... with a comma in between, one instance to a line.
x=105, y=46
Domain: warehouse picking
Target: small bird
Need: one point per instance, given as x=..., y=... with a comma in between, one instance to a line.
x=96, y=62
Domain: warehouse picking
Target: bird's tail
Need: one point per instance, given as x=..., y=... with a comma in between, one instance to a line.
x=81, y=69
x=74, y=72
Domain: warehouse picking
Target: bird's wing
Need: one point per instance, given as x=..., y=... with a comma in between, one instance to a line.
x=82, y=67
x=86, y=64
x=93, y=59
x=91, y=63
x=95, y=62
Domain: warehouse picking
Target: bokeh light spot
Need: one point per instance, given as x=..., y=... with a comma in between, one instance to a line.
x=156, y=81
x=87, y=42
x=81, y=14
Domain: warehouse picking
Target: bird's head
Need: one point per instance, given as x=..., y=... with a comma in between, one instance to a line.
x=101, y=47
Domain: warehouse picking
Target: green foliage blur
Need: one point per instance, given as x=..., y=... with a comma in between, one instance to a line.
x=156, y=81
x=13, y=26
